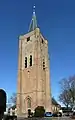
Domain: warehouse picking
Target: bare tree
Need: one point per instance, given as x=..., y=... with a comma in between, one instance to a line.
x=13, y=99
x=67, y=96
x=64, y=97
x=72, y=89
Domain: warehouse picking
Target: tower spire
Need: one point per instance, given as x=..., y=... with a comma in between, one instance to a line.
x=33, y=24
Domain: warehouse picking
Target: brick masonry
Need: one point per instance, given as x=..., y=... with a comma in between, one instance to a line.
x=34, y=81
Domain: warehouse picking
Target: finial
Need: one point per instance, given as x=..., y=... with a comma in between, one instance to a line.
x=34, y=10
x=33, y=24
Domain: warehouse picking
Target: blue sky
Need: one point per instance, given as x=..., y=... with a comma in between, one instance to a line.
x=56, y=19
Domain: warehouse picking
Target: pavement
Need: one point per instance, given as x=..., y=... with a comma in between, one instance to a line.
x=49, y=118
x=62, y=118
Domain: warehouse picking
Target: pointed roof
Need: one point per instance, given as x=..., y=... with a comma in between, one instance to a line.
x=33, y=24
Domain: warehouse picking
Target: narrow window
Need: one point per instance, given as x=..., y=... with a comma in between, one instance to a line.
x=29, y=102
x=28, y=39
x=30, y=60
x=25, y=62
x=43, y=64
x=42, y=41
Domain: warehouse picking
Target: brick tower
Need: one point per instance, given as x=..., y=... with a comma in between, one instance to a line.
x=33, y=85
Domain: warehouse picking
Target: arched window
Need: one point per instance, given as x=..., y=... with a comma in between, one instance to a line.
x=29, y=102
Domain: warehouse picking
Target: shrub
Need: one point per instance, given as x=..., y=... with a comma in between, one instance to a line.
x=39, y=111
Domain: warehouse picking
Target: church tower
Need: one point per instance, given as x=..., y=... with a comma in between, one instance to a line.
x=33, y=85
